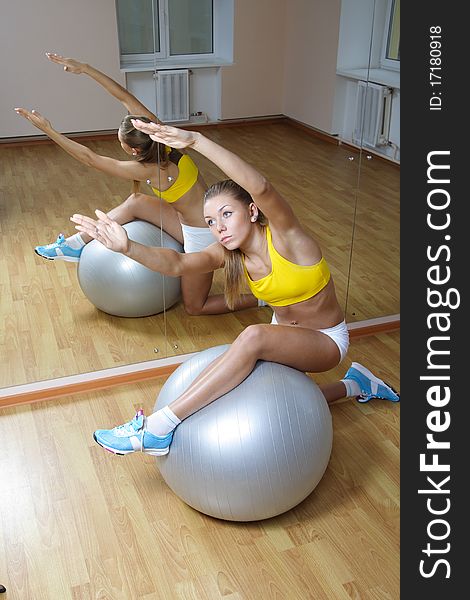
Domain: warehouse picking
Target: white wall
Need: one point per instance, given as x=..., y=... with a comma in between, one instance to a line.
x=85, y=30
x=356, y=24
x=311, y=46
x=253, y=86
x=204, y=93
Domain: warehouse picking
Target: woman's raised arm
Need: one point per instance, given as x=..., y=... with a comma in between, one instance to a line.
x=125, y=169
x=164, y=260
x=132, y=104
x=273, y=205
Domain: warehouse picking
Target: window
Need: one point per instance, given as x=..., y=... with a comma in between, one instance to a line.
x=135, y=31
x=391, y=46
x=191, y=27
x=173, y=31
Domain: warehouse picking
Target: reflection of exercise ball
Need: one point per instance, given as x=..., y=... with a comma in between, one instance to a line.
x=255, y=452
x=123, y=287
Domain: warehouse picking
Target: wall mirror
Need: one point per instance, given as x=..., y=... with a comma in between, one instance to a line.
x=365, y=209
x=49, y=329
x=374, y=279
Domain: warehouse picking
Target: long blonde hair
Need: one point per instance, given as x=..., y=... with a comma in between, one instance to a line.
x=234, y=273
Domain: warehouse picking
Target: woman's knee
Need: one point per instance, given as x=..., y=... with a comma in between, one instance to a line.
x=193, y=302
x=133, y=201
x=252, y=339
x=194, y=307
x=195, y=292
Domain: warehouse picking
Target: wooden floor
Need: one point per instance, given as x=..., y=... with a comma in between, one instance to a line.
x=49, y=329
x=77, y=523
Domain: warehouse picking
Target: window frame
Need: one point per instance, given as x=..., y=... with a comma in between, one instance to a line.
x=385, y=62
x=163, y=58
x=186, y=57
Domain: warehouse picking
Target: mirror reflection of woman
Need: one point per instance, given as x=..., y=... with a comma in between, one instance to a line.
x=260, y=240
x=173, y=176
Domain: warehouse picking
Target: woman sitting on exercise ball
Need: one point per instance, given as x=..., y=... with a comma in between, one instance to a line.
x=258, y=239
x=173, y=176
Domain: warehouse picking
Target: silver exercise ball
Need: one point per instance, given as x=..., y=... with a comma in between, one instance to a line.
x=255, y=452
x=123, y=287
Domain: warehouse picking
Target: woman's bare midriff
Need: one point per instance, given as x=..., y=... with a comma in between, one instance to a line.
x=320, y=312
x=190, y=206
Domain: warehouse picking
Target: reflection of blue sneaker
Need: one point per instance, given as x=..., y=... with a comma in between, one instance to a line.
x=132, y=437
x=370, y=385
x=59, y=250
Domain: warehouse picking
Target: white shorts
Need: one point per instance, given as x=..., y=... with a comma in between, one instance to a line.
x=196, y=239
x=339, y=334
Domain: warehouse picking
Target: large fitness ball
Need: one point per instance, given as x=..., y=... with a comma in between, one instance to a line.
x=123, y=287
x=256, y=451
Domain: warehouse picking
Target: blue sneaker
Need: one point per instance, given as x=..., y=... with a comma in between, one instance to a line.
x=59, y=250
x=133, y=437
x=370, y=385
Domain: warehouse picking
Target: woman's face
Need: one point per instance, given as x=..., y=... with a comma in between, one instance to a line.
x=229, y=220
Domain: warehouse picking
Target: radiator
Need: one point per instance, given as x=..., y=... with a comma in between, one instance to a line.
x=173, y=95
x=373, y=111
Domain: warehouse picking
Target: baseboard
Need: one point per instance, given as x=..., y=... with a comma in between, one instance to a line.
x=37, y=140
x=111, y=134
x=374, y=326
x=88, y=382
x=107, y=378
x=270, y=119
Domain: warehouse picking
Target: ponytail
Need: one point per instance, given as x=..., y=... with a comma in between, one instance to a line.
x=150, y=151
x=234, y=275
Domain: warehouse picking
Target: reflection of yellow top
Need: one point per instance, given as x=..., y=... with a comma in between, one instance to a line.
x=288, y=282
x=187, y=177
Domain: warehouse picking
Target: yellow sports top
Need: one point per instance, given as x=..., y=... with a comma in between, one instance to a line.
x=187, y=177
x=288, y=283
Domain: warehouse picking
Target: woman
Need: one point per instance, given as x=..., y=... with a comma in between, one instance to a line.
x=174, y=178
x=259, y=240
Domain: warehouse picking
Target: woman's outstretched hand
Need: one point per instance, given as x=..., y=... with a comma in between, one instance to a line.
x=35, y=118
x=70, y=64
x=103, y=229
x=165, y=134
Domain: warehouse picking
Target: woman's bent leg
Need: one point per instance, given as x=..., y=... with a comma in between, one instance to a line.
x=300, y=348
x=136, y=206
x=151, y=209
x=195, y=291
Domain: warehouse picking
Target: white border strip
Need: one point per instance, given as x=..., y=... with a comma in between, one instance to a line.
x=142, y=367
x=372, y=322
x=50, y=384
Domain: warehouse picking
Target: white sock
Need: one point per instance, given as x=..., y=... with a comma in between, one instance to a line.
x=352, y=387
x=261, y=302
x=162, y=422
x=75, y=241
